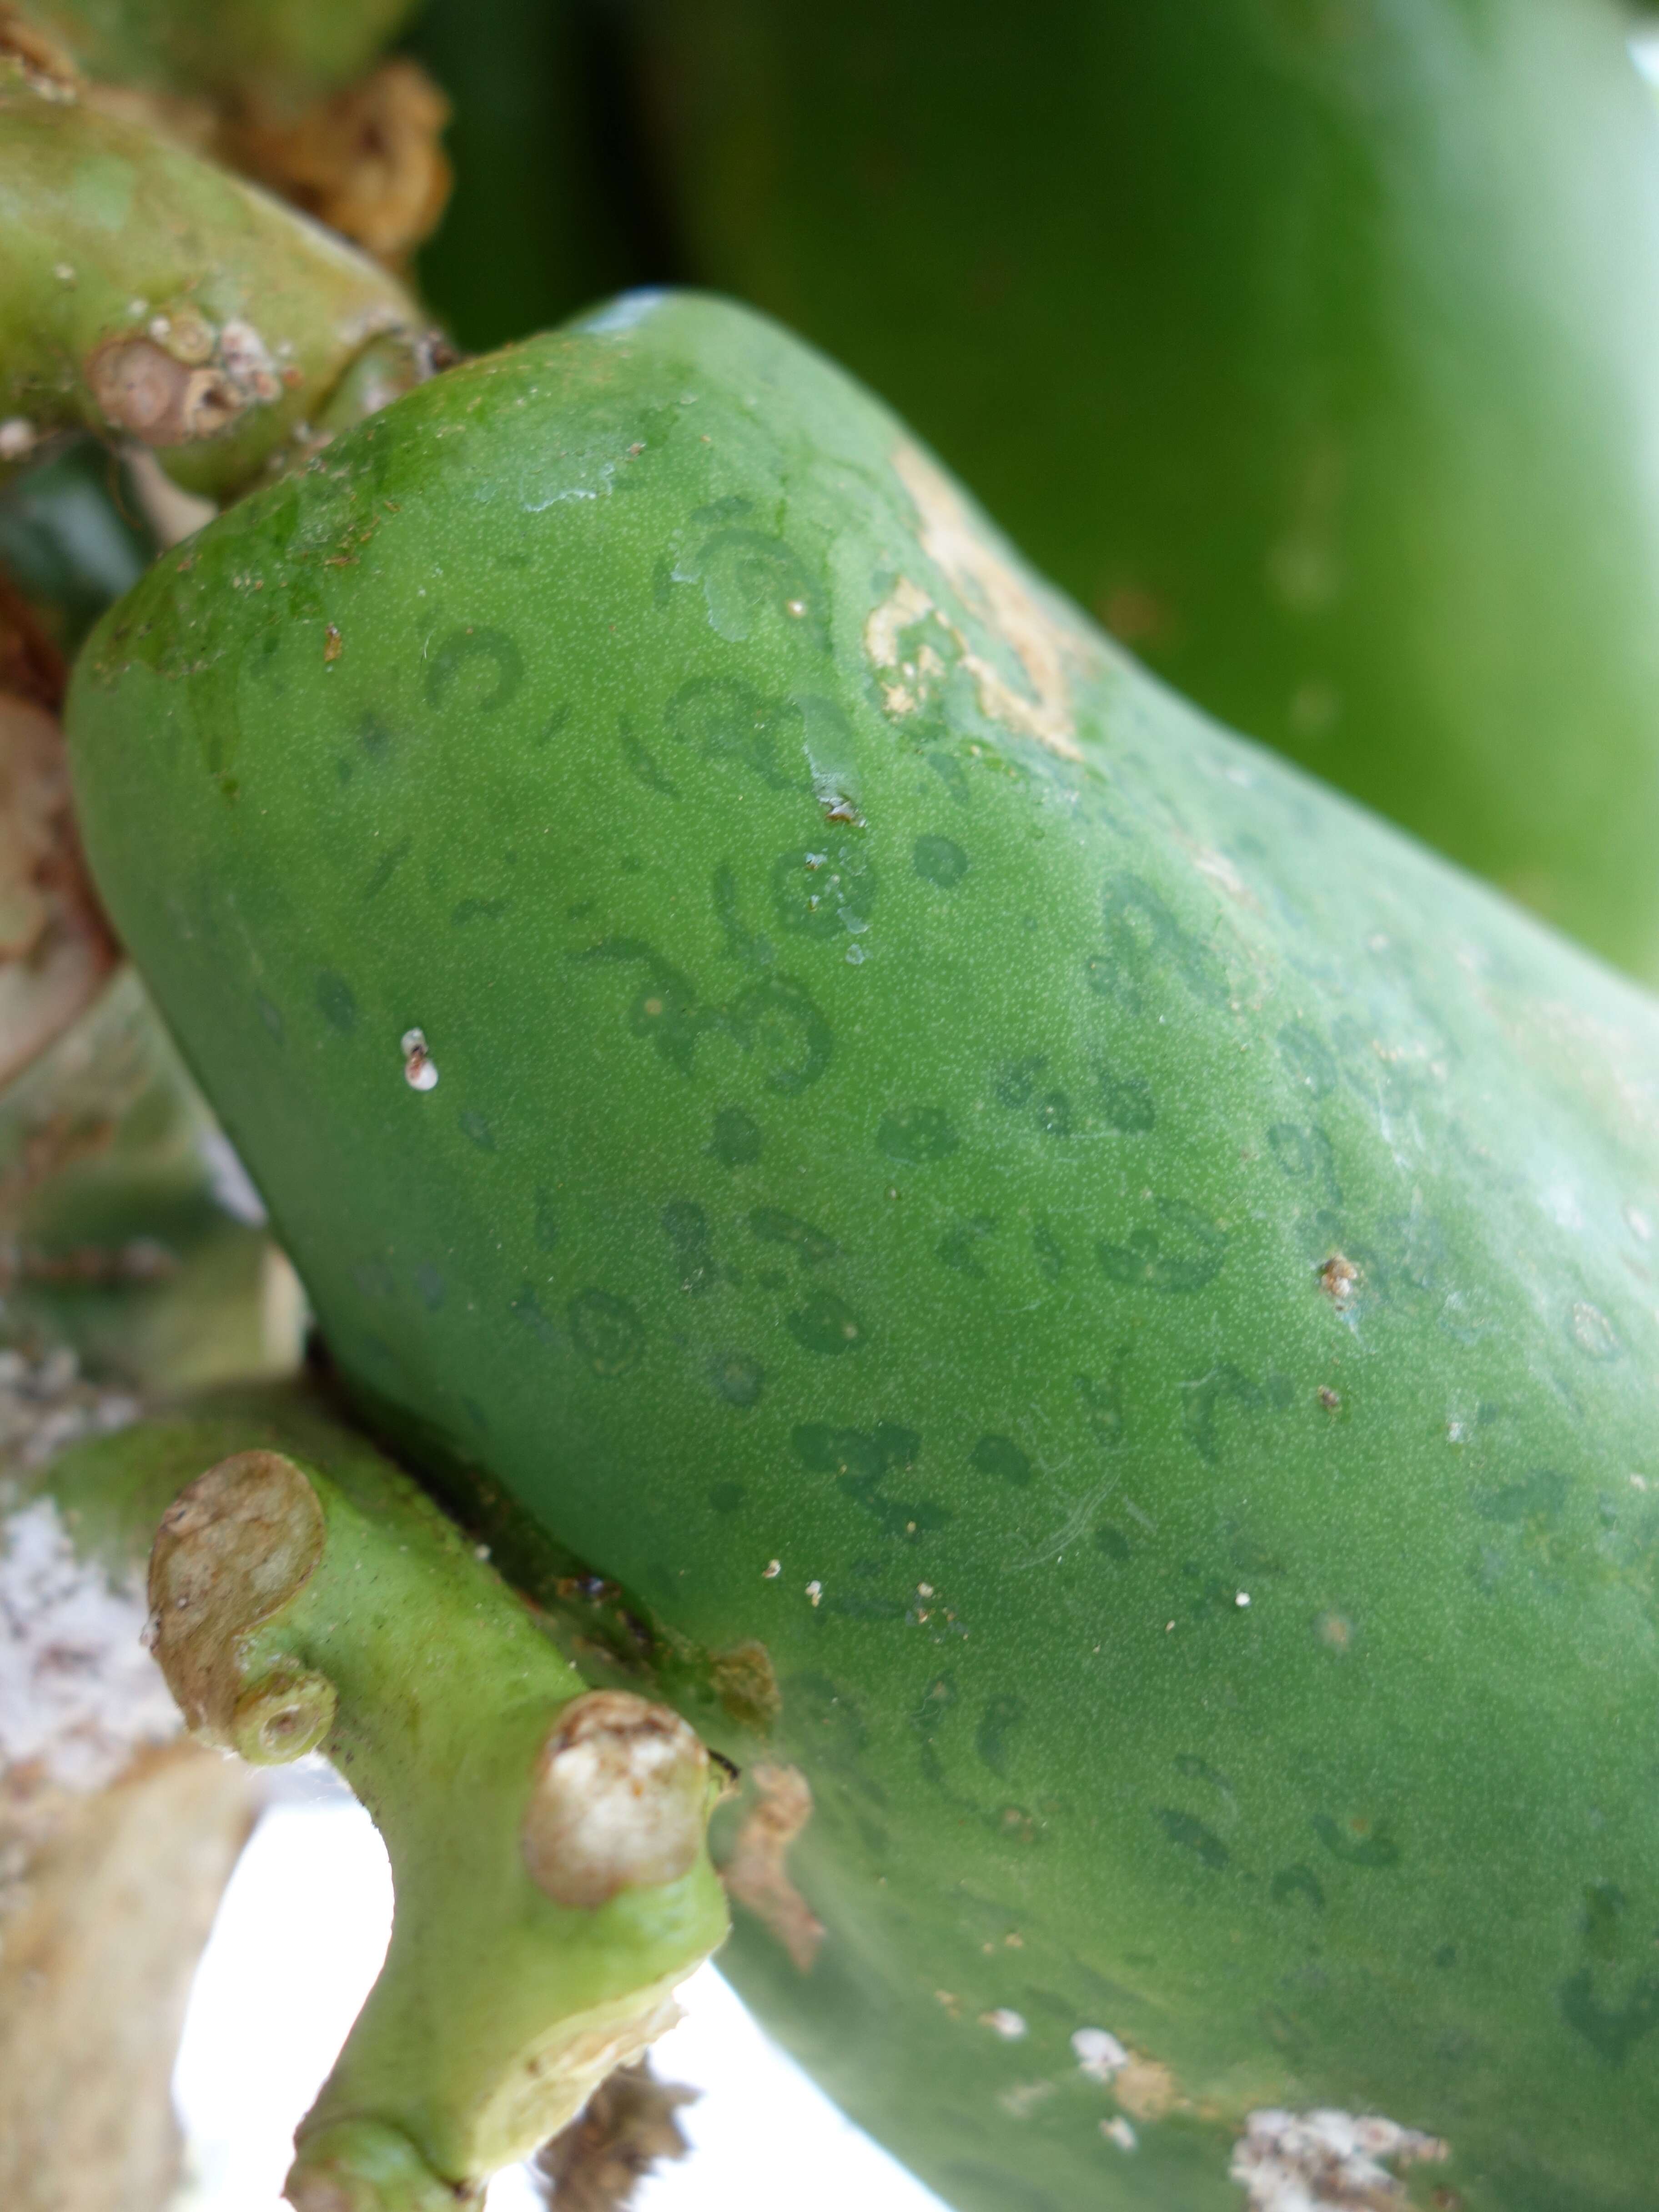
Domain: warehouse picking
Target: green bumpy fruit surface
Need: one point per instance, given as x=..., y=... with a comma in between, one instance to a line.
x=1310, y=346
x=1132, y=1281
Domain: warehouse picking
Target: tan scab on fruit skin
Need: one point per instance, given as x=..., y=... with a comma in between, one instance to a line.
x=232, y=1550
x=1042, y=644
x=757, y=1874
x=619, y=1802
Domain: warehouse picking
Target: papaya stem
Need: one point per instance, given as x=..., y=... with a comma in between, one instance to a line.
x=548, y=1843
x=148, y=296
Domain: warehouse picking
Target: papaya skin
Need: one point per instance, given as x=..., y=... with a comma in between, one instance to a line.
x=1307, y=346
x=776, y=1046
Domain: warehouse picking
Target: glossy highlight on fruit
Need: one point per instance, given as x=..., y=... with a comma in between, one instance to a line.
x=1112, y=1293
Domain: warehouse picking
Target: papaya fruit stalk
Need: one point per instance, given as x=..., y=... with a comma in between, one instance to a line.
x=149, y=296
x=548, y=1843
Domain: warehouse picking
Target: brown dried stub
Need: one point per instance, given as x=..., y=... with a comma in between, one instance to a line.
x=284, y=1716
x=369, y=161
x=182, y=379
x=627, y=2127
x=142, y=388
x=44, y=66
x=620, y=1800
x=232, y=1550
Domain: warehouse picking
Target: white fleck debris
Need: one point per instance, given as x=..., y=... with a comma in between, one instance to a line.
x=16, y=437
x=63, y=271
x=771, y=1570
x=856, y=956
x=1326, y=2161
x=1098, y=2052
x=924, y=1590
x=481, y=1551
x=1008, y=2024
x=1241, y=1600
x=420, y=1069
x=247, y=362
x=79, y=1694
x=814, y=1592
x=1639, y=1482
x=1119, y=2131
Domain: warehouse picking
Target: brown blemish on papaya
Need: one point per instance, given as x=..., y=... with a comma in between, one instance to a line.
x=1338, y=1276
x=746, y=1684
x=1145, y=2088
x=756, y=1876
x=953, y=539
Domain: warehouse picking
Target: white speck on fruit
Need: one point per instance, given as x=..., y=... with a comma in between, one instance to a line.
x=420, y=1069
x=1326, y=2161
x=1010, y=2026
x=1119, y=2131
x=1098, y=2052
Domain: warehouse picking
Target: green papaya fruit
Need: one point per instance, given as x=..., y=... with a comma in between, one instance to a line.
x=1113, y=1292
x=1309, y=346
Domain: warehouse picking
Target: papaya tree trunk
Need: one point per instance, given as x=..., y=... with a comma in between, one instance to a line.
x=107, y=1898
